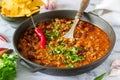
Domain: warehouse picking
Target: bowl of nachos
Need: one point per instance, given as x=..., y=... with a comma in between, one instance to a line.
x=16, y=11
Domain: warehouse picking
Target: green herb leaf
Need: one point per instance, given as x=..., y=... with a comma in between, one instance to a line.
x=8, y=67
x=100, y=77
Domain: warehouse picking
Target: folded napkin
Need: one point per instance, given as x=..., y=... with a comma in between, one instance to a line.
x=109, y=10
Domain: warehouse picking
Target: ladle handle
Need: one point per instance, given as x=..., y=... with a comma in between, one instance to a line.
x=83, y=6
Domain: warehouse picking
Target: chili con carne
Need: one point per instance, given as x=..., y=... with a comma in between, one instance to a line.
x=91, y=45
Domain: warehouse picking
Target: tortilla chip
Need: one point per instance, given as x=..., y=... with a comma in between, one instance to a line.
x=0, y=4
x=37, y=3
x=16, y=8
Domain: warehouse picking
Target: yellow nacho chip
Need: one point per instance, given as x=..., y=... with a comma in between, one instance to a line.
x=0, y=4
x=19, y=8
x=37, y=3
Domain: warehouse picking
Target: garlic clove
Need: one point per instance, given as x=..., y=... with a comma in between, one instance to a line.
x=50, y=4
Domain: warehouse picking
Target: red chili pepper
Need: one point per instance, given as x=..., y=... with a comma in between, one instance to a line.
x=3, y=38
x=5, y=51
x=1, y=49
x=42, y=37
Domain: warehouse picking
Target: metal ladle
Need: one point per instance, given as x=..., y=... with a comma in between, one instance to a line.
x=83, y=6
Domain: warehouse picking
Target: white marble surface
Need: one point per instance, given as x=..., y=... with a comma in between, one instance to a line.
x=25, y=74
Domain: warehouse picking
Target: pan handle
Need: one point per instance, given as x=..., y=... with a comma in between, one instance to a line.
x=99, y=12
x=23, y=63
x=95, y=12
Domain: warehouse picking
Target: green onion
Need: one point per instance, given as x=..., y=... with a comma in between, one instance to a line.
x=58, y=50
x=100, y=77
x=63, y=44
x=70, y=55
x=63, y=50
x=52, y=34
x=74, y=50
x=57, y=27
x=70, y=25
x=69, y=65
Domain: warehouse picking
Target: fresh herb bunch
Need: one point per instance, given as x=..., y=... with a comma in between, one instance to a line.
x=8, y=67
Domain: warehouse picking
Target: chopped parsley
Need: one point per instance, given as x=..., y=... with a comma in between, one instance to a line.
x=8, y=67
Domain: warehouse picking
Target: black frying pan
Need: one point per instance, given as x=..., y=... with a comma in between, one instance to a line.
x=89, y=17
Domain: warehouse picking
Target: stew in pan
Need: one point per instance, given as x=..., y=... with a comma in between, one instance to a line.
x=90, y=43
